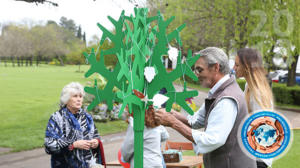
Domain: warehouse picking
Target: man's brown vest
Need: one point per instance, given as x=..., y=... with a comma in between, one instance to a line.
x=230, y=154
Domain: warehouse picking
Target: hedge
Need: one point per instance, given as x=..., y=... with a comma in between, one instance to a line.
x=286, y=95
x=282, y=93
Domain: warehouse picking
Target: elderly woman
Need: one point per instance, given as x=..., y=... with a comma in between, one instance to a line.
x=72, y=139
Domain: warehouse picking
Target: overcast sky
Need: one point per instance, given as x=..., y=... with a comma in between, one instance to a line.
x=86, y=13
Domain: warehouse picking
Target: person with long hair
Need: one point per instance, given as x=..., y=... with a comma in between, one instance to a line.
x=258, y=93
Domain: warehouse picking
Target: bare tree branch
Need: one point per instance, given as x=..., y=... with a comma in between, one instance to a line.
x=39, y=1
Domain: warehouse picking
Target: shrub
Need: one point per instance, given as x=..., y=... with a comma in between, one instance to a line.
x=54, y=62
x=286, y=95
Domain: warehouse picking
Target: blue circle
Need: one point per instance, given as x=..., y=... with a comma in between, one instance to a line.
x=286, y=130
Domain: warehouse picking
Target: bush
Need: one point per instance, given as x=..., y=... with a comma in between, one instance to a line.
x=54, y=62
x=286, y=95
x=282, y=93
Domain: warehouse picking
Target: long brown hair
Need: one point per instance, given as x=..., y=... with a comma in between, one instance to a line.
x=255, y=75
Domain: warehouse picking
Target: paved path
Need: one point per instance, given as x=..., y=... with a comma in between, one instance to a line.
x=38, y=159
x=112, y=143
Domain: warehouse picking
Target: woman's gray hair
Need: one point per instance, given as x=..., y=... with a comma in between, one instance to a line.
x=213, y=55
x=69, y=90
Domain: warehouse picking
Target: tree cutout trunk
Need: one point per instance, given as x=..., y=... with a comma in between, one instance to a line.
x=146, y=39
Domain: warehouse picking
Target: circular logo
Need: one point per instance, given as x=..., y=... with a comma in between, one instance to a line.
x=265, y=134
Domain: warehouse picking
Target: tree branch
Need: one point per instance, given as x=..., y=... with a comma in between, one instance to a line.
x=39, y=1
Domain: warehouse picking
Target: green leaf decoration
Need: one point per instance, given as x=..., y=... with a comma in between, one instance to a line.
x=139, y=41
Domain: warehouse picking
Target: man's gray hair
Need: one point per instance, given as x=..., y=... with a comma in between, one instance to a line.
x=69, y=90
x=213, y=55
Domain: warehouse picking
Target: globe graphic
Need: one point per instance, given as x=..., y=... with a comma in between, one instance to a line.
x=265, y=135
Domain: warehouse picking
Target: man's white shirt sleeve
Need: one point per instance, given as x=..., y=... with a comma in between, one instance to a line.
x=196, y=121
x=220, y=124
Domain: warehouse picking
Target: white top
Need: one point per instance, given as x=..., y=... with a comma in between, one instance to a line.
x=220, y=123
x=254, y=106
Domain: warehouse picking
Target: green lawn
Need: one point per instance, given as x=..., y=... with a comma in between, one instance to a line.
x=28, y=96
x=290, y=158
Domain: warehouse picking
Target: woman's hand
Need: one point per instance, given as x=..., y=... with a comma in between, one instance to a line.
x=94, y=143
x=82, y=144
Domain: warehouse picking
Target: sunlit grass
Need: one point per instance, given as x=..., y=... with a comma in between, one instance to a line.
x=28, y=96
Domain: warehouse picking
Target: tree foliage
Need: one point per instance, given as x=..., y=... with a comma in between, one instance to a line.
x=40, y=1
x=263, y=24
x=277, y=28
x=41, y=42
x=209, y=23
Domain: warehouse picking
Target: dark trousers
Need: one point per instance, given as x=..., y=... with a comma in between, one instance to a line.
x=261, y=164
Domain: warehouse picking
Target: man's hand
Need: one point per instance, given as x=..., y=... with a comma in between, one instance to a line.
x=168, y=119
x=94, y=143
x=82, y=144
x=164, y=118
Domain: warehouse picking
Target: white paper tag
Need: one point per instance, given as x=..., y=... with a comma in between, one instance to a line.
x=159, y=99
x=149, y=73
x=173, y=53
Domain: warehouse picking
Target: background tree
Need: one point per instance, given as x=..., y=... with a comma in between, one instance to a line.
x=293, y=7
x=79, y=34
x=209, y=23
x=15, y=44
x=277, y=29
x=84, y=38
x=68, y=24
x=263, y=24
x=39, y=1
x=40, y=43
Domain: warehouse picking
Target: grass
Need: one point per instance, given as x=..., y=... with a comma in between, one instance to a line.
x=288, y=106
x=288, y=160
x=111, y=127
x=28, y=96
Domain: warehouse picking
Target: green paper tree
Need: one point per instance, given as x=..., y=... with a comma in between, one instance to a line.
x=139, y=41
